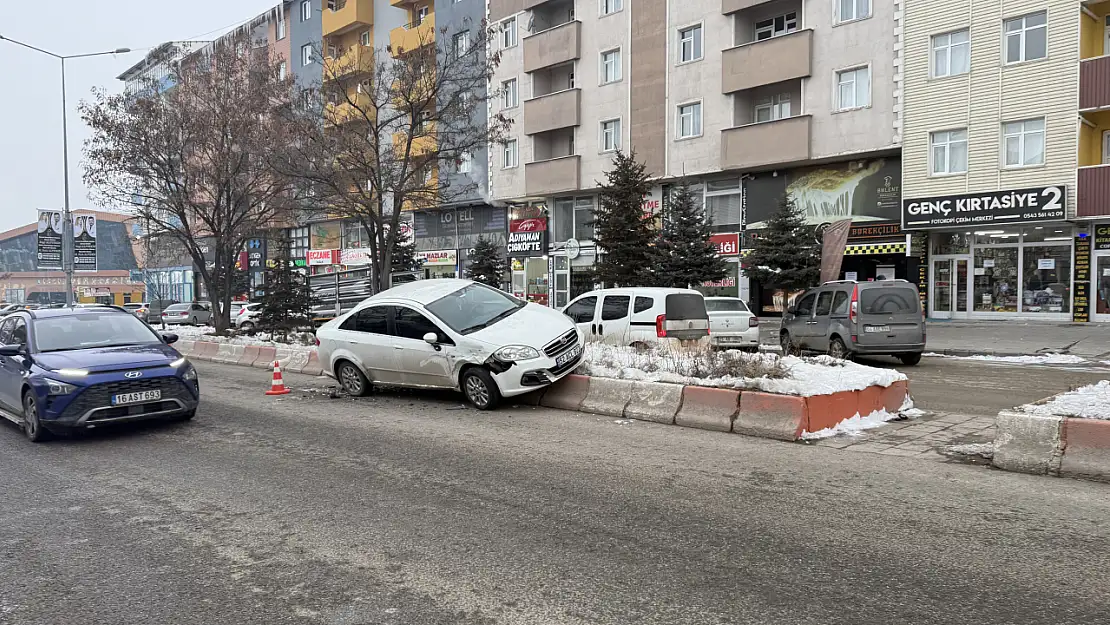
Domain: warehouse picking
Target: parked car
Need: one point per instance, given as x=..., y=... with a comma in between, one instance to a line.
x=847, y=318
x=640, y=316
x=731, y=324
x=79, y=368
x=155, y=307
x=449, y=333
x=247, y=318
x=137, y=308
x=191, y=314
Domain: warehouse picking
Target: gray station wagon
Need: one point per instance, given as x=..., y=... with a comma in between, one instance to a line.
x=848, y=318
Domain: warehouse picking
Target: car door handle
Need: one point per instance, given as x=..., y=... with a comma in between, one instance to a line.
x=398, y=347
x=811, y=323
x=593, y=328
x=600, y=330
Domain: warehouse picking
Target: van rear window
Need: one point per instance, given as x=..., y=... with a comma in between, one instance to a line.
x=888, y=301
x=682, y=306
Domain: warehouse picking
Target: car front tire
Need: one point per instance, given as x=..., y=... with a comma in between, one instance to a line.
x=480, y=389
x=32, y=426
x=910, y=360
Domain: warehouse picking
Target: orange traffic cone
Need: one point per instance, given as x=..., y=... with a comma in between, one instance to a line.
x=277, y=387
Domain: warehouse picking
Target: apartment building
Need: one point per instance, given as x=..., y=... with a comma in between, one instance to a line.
x=1004, y=152
x=746, y=99
x=158, y=65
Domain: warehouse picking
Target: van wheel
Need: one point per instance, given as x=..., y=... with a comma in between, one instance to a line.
x=838, y=350
x=910, y=359
x=480, y=389
x=789, y=348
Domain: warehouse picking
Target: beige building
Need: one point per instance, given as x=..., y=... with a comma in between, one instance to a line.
x=736, y=95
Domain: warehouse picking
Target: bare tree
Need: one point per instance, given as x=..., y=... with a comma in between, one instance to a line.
x=194, y=161
x=394, y=122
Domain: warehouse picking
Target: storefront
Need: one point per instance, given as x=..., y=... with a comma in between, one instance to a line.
x=1100, y=273
x=735, y=283
x=440, y=263
x=528, y=259
x=999, y=255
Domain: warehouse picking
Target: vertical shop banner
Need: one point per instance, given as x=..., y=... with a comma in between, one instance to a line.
x=727, y=244
x=50, y=240
x=84, y=243
x=832, y=249
x=1081, y=306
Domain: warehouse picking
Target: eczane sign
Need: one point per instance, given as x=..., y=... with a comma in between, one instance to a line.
x=1018, y=206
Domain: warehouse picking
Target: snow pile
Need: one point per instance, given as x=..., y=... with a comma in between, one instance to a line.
x=1046, y=359
x=854, y=426
x=771, y=373
x=259, y=339
x=1087, y=402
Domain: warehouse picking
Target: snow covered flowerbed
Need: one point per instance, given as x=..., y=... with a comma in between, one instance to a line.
x=261, y=339
x=1087, y=402
x=770, y=373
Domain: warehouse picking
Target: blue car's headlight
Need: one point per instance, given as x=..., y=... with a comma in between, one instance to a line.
x=59, y=388
x=190, y=374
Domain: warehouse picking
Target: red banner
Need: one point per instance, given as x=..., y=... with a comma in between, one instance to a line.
x=726, y=244
x=535, y=224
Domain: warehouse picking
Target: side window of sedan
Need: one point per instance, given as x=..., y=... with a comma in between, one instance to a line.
x=373, y=320
x=410, y=324
x=6, y=331
x=19, y=332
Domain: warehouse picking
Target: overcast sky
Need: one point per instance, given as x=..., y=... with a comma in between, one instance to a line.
x=30, y=109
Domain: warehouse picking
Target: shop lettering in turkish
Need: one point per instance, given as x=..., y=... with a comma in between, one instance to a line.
x=318, y=258
x=1081, y=305
x=1102, y=237
x=440, y=257
x=981, y=209
x=527, y=238
x=727, y=244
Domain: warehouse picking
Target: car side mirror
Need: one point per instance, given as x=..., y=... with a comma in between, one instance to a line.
x=11, y=350
x=169, y=339
x=431, y=338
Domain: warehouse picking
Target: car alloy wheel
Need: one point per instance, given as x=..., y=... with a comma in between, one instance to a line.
x=352, y=380
x=838, y=350
x=32, y=427
x=477, y=391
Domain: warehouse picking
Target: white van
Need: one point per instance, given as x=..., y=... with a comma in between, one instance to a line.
x=640, y=315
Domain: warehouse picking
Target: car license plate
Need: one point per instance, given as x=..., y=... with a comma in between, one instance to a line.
x=877, y=329
x=731, y=339
x=575, y=352
x=136, y=398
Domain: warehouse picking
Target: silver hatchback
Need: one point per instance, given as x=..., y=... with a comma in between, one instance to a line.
x=848, y=318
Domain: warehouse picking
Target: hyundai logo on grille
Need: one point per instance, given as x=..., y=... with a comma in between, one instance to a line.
x=131, y=375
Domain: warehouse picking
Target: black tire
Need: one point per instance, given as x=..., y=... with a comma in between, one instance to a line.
x=196, y=322
x=352, y=380
x=837, y=349
x=910, y=360
x=32, y=426
x=188, y=416
x=480, y=389
x=789, y=348
x=246, y=327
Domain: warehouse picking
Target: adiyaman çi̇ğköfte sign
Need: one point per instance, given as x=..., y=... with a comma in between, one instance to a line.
x=981, y=209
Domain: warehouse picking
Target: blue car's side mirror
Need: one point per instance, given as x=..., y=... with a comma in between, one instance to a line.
x=12, y=350
x=169, y=339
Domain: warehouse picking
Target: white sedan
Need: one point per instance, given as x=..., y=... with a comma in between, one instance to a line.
x=731, y=324
x=455, y=334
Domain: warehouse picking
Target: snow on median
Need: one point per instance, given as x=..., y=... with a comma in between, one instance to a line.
x=854, y=426
x=1044, y=359
x=1087, y=402
x=260, y=339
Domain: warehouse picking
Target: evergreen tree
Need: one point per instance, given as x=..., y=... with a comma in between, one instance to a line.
x=404, y=256
x=684, y=256
x=287, y=300
x=621, y=230
x=787, y=254
x=486, y=264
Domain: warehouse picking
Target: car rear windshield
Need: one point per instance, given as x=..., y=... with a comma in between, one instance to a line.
x=177, y=307
x=888, y=301
x=681, y=306
x=725, y=305
x=474, y=307
x=90, y=330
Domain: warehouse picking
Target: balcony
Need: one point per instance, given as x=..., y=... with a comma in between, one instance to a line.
x=729, y=7
x=562, y=109
x=354, y=60
x=1093, y=196
x=557, y=175
x=777, y=142
x=349, y=15
x=424, y=143
x=500, y=9
x=553, y=46
x=766, y=62
x=1094, y=83
x=531, y=4
x=413, y=36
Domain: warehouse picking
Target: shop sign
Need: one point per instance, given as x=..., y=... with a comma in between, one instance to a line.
x=527, y=237
x=440, y=258
x=875, y=231
x=573, y=248
x=727, y=244
x=256, y=253
x=355, y=256
x=1081, y=304
x=1102, y=237
x=84, y=243
x=318, y=258
x=729, y=282
x=50, y=240
x=989, y=208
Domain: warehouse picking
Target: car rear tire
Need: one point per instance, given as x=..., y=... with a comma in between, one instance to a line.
x=246, y=327
x=789, y=348
x=196, y=322
x=910, y=359
x=480, y=389
x=838, y=350
x=352, y=379
x=32, y=426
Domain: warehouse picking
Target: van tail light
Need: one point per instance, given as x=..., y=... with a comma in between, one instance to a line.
x=853, y=310
x=661, y=326
x=753, y=322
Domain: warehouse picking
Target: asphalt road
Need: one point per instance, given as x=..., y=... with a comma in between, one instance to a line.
x=401, y=509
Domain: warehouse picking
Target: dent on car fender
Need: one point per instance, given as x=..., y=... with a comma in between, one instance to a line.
x=498, y=366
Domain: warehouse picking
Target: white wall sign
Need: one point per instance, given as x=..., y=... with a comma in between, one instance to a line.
x=440, y=258
x=1046, y=263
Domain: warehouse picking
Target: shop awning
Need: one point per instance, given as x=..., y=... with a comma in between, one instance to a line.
x=872, y=249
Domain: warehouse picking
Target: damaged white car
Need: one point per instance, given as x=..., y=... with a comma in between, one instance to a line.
x=452, y=334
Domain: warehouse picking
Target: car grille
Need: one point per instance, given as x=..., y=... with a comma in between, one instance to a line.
x=561, y=344
x=570, y=366
x=100, y=395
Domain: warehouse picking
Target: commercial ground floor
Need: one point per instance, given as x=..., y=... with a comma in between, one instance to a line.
x=47, y=287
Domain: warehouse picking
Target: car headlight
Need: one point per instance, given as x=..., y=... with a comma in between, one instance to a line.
x=59, y=388
x=513, y=353
x=190, y=374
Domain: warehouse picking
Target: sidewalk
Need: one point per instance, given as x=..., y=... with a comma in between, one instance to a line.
x=1000, y=338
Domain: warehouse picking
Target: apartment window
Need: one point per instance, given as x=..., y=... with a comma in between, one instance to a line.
x=508, y=33
x=1023, y=143
x=584, y=218
x=853, y=88
x=510, y=94
x=281, y=70
x=848, y=10
x=1026, y=37
x=776, y=26
x=364, y=39
x=466, y=163
x=306, y=54
x=610, y=135
x=306, y=10
x=949, y=151
x=355, y=236
x=281, y=27
x=610, y=66
x=333, y=52
x=689, y=120
x=772, y=108
x=611, y=6
x=689, y=44
x=511, y=156
x=951, y=54
x=298, y=242
x=421, y=15
x=462, y=44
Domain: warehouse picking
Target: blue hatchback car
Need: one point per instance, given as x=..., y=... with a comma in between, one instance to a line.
x=78, y=368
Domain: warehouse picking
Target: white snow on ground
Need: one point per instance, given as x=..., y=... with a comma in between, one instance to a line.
x=855, y=426
x=1088, y=402
x=820, y=375
x=205, y=333
x=1046, y=359
x=984, y=450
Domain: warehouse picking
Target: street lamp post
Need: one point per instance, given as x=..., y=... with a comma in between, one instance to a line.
x=67, y=224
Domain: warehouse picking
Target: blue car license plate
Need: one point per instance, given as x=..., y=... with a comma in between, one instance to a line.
x=136, y=398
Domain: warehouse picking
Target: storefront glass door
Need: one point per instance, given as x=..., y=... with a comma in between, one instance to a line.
x=949, y=288
x=1101, y=291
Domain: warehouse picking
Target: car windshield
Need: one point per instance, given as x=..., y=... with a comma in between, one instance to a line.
x=725, y=305
x=474, y=307
x=90, y=330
